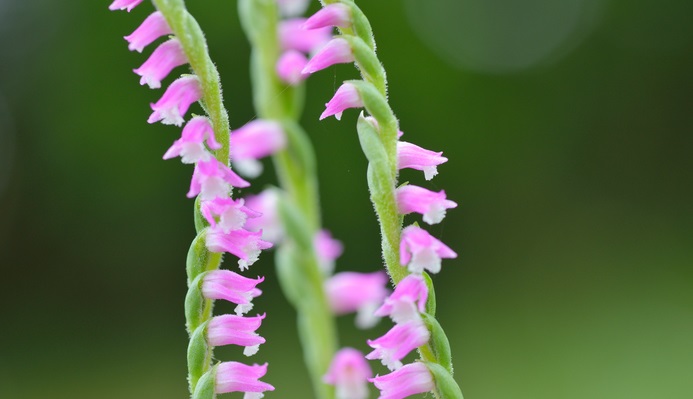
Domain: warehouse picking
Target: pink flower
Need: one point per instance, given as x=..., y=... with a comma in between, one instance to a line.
x=244, y=244
x=236, y=330
x=124, y=4
x=266, y=203
x=336, y=51
x=346, y=97
x=349, y=373
x=153, y=27
x=238, y=377
x=293, y=37
x=190, y=147
x=417, y=199
x=232, y=287
x=419, y=250
x=290, y=65
x=292, y=8
x=254, y=140
x=328, y=250
x=415, y=157
x=403, y=338
x=213, y=179
x=232, y=213
x=357, y=292
x=176, y=101
x=336, y=14
x=407, y=301
x=162, y=61
x=409, y=380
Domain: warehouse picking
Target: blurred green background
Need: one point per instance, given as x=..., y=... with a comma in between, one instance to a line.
x=568, y=128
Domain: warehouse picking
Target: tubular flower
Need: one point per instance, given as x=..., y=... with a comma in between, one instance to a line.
x=349, y=373
x=409, y=380
x=238, y=377
x=415, y=157
x=212, y=179
x=153, y=27
x=232, y=287
x=336, y=51
x=419, y=250
x=357, y=292
x=255, y=140
x=328, y=250
x=403, y=338
x=244, y=244
x=346, y=97
x=336, y=14
x=176, y=101
x=407, y=301
x=266, y=203
x=289, y=67
x=162, y=61
x=232, y=213
x=293, y=37
x=191, y=145
x=430, y=204
x=236, y=330
x=124, y=5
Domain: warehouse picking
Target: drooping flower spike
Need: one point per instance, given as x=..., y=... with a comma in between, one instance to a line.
x=349, y=373
x=417, y=199
x=328, y=250
x=414, y=157
x=357, y=292
x=162, y=61
x=419, y=250
x=153, y=27
x=232, y=287
x=232, y=214
x=236, y=330
x=293, y=37
x=124, y=5
x=410, y=379
x=347, y=96
x=191, y=145
x=336, y=14
x=403, y=338
x=289, y=67
x=246, y=245
x=407, y=301
x=238, y=377
x=212, y=179
x=337, y=51
x=254, y=140
x=175, y=102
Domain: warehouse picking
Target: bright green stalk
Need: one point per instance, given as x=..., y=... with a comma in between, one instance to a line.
x=297, y=263
x=379, y=144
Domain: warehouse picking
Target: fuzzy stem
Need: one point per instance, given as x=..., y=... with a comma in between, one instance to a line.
x=297, y=263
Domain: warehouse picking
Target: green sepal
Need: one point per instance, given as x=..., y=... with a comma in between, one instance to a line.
x=200, y=259
x=360, y=24
x=200, y=222
x=431, y=301
x=195, y=305
x=294, y=224
x=375, y=103
x=205, y=385
x=445, y=384
x=439, y=342
x=379, y=180
x=366, y=60
x=199, y=355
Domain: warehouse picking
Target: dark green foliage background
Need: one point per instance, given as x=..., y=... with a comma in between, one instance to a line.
x=575, y=227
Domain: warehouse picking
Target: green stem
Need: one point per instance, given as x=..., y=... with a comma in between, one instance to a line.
x=297, y=263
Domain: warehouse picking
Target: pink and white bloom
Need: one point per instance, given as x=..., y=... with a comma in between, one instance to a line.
x=328, y=250
x=238, y=377
x=357, y=292
x=153, y=27
x=191, y=145
x=417, y=199
x=336, y=14
x=419, y=250
x=349, y=373
x=336, y=51
x=403, y=338
x=162, y=61
x=254, y=140
x=246, y=245
x=124, y=5
x=232, y=214
x=232, y=287
x=292, y=8
x=407, y=301
x=409, y=380
x=236, y=330
x=293, y=37
x=176, y=100
x=346, y=97
x=415, y=157
x=212, y=179
x=266, y=203
x=290, y=65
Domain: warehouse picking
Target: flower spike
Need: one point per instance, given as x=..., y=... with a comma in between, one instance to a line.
x=414, y=157
x=430, y=204
x=162, y=61
x=153, y=27
x=419, y=250
x=409, y=380
x=124, y=5
x=347, y=96
x=175, y=102
x=349, y=373
x=337, y=51
x=336, y=14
